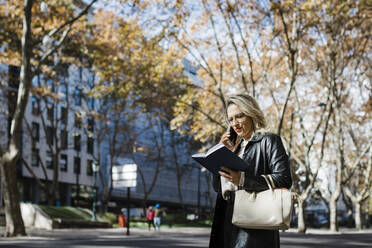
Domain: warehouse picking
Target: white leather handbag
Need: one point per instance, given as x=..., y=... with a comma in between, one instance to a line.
x=270, y=209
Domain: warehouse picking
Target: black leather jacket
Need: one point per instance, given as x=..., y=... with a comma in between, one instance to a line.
x=264, y=154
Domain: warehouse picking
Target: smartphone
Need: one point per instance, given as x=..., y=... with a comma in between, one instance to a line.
x=233, y=136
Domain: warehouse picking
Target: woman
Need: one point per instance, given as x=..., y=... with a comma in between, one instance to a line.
x=150, y=218
x=264, y=154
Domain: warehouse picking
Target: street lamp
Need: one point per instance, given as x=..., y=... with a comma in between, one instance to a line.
x=198, y=192
x=95, y=168
x=200, y=170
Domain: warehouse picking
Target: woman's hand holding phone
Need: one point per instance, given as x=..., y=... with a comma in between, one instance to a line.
x=225, y=139
x=229, y=138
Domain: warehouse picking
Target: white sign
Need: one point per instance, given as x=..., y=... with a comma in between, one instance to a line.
x=124, y=184
x=124, y=176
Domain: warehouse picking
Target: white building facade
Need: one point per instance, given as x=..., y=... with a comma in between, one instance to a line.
x=63, y=132
x=57, y=129
x=193, y=186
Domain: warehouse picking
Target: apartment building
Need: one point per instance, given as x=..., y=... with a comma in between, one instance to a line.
x=177, y=182
x=57, y=130
x=62, y=132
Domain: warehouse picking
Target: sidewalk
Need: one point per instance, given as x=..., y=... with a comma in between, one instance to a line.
x=76, y=233
x=141, y=232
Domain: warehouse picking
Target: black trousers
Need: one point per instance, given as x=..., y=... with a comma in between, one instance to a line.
x=151, y=222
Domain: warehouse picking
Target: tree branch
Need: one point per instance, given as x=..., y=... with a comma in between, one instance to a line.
x=69, y=22
x=232, y=39
x=52, y=49
x=28, y=167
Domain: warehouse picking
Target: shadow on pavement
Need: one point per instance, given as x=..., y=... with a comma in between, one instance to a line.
x=292, y=240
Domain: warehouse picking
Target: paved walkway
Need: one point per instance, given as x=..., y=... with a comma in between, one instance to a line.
x=106, y=232
x=74, y=233
x=174, y=237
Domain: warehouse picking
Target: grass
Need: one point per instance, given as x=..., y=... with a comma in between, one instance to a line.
x=74, y=213
x=206, y=223
x=68, y=213
x=138, y=224
x=145, y=225
x=170, y=222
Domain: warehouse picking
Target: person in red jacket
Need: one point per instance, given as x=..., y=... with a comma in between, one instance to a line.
x=150, y=217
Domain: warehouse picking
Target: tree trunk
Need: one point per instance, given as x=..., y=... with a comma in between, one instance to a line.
x=106, y=195
x=14, y=221
x=55, y=184
x=333, y=215
x=358, y=217
x=349, y=206
x=301, y=225
x=49, y=193
x=179, y=189
x=104, y=206
x=9, y=158
x=103, y=198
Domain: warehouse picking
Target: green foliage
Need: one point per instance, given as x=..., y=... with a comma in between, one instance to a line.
x=109, y=217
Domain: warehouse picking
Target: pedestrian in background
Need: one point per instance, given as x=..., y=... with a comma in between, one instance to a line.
x=150, y=217
x=157, y=218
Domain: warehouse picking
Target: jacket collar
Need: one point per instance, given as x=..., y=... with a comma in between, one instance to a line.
x=256, y=138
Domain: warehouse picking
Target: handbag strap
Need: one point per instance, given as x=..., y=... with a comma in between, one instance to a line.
x=271, y=181
x=268, y=181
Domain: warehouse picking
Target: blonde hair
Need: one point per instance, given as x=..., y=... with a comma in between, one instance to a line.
x=250, y=108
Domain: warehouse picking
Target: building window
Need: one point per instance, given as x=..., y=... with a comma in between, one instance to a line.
x=77, y=96
x=50, y=135
x=91, y=125
x=90, y=103
x=77, y=165
x=49, y=160
x=77, y=120
x=13, y=84
x=64, y=115
x=35, y=106
x=89, y=167
x=64, y=139
x=90, y=146
x=35, y=157
x=77, y=141
x=35, y=131
x=63, y=90
x=50, y=112
x=63, y=162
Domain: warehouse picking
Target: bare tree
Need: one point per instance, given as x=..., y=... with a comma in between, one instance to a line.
x=153, y=152
x=360, y=183
x=301, y=154
x=341, y=64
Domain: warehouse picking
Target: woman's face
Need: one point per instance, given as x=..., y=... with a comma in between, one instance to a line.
x=241, y=123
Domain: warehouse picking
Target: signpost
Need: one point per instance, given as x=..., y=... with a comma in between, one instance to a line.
x=125, y=176
x=95, y=168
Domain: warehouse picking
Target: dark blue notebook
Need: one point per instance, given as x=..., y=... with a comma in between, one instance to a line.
x=220, y=156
